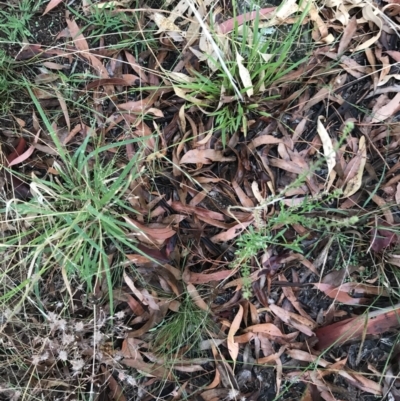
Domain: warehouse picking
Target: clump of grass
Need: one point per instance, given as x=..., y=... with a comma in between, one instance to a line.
x=8, y=83
x=75, y=216
x=184, y=330
x=267, y=58
x=14, y=21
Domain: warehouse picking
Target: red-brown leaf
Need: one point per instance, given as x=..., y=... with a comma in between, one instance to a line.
x=51, y=5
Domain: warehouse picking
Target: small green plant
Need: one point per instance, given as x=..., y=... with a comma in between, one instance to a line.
x=8, y=84
x=183, y=330
x=272, y=233
x=75, y=216
x=14, y=21
x=266, y=58
x=117, y=28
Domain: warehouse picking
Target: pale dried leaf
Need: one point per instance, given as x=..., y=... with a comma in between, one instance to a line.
x=244, y=75
x=77, y=37
x=301, y=323
x=354, y=184
x=369, y=13
x=196, y=297
x=233, y=347
x=183, y=94
x=327, y=145
x=388, y=110
x=166, y=25
x=205, y=156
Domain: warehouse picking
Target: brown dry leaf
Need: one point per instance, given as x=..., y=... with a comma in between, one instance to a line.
x=155, y=318
x=394, y=54
x=266, y=328
x=136, y=307
x=192, y=33
x=336, y=277
x=130, y=348
x=289, y=294
x=184, y=95
x=77, y=37
x=21, y=158
x=286, y=165
x=51, y=5
x=384, y=206
x=158, y=234
x=43, y=94
x=388, y=110
x=376, y=322
x=141, y=106
x=116, y=393
x=348, y=35
x=204, y=278
x=19, y=155
x=361, y=382
x=272, y=358
x=231, y=233
x=196, y=297
x=364, y=289
x=216, y=381
x=306, y=357
x=205, y=156
x=46, y=78
x=264, y=140
x=397, y=195
x=180, y=77
x=320, y=31
x=188, y=369
x=133, y=288
x=382, y=238
x=300, y=323
x=126, y=80
x=281, y=14
x=149, y=369
x=354, y=183
x=386, y=65
x=369, y=14
x=64, y=108
x=144, y=261
x=136, y=67
x=244, y=199
x=229, y=25
x=215, y=394
x=233, y=347
x=302, y=260
x=352, y=67
x=82, y=45
x=198, y=211
x=339, y=294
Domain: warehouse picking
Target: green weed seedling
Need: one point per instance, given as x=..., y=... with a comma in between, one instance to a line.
x=272, y=232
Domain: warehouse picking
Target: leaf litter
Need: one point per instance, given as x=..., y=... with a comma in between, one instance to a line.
x=266, y=259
